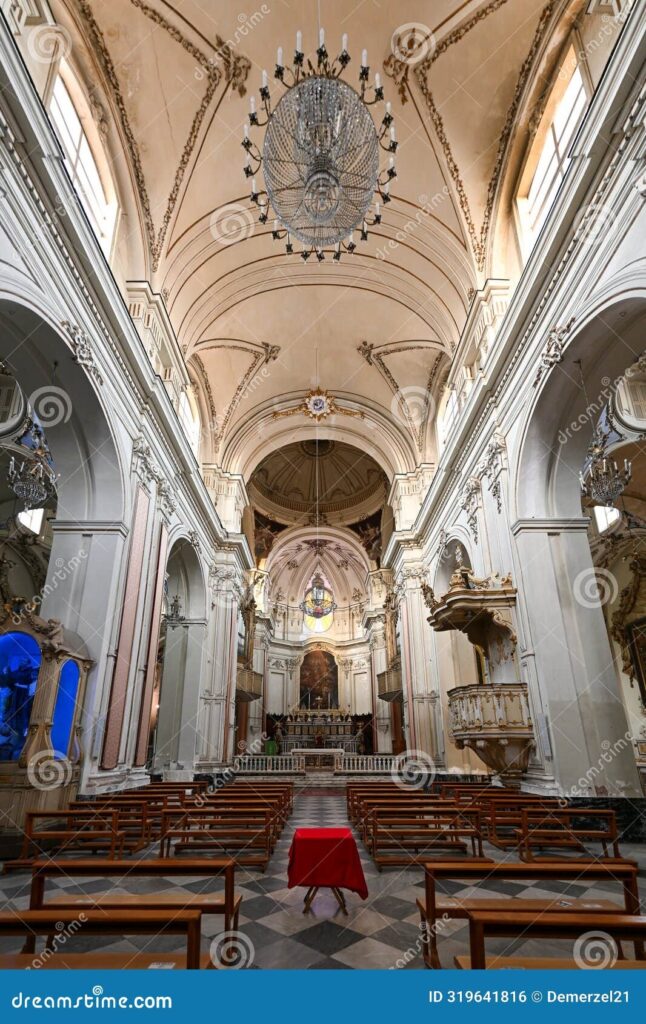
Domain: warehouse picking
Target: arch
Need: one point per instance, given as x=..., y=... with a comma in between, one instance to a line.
x=86, y=457
x=558, y=427
x=175, y=698
x=262, y=433
x=184, y=572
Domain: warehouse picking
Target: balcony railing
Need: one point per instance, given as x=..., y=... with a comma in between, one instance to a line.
x=495, y=722
x=248, y=684
x=389, y=684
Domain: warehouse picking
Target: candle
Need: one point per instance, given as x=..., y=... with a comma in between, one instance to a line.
x=299, y=42
x=344, y=42
x=388, y=107
x=377, y=81
x=377, y=209
x=264, y=79
x=253, y=186
x=321, y=37
x=364, y=58
x=279, y=57
x=391, y=163
x=252, y=104
x=392, y=133
x=246, y=130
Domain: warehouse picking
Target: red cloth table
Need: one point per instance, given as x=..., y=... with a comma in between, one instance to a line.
x=325, y=857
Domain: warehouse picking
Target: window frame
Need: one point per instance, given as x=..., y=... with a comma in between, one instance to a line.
x=573, y=51
x=100, y=161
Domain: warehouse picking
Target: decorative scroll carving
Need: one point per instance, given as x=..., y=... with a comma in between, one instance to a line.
x=553, y=351
x=470, y=503
x=143, y=463
x=81, y=345
x=492, y=466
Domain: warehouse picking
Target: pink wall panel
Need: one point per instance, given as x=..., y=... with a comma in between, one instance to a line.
x=153, y=640
x=118, y=692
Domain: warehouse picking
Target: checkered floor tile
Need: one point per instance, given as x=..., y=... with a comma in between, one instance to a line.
x=380, y=932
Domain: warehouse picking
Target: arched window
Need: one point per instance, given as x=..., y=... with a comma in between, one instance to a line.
x=84, y=155
x=548, y=156
x=190, y=420
x=65, y=709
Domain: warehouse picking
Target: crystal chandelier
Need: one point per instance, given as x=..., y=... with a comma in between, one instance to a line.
x=31, y=479
x=320, y=156
x=600, y=479
x=318, y=601
x=603, y=481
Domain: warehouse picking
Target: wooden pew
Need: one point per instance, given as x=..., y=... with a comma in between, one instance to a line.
x=411, y=837
x=248, y=843
x=77, y=829
x=226, y=903
x=31, y=923
x=435, y=907
x=554, y=926
x=568, y=829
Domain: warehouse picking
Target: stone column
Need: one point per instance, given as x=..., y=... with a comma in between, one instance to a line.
x=568, y=662
x=421, y=704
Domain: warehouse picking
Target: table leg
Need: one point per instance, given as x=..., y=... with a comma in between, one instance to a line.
x=309, y=896
x=340, y=899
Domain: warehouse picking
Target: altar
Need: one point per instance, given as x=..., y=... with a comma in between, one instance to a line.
x=319, y=760
x=319, y=730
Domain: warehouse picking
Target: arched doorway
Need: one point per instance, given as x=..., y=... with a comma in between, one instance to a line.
x=181, y=651
x=571, y=665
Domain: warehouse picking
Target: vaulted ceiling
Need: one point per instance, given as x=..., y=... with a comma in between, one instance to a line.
x=259, y=328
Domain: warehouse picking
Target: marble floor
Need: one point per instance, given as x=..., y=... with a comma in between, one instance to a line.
x=381, y=932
